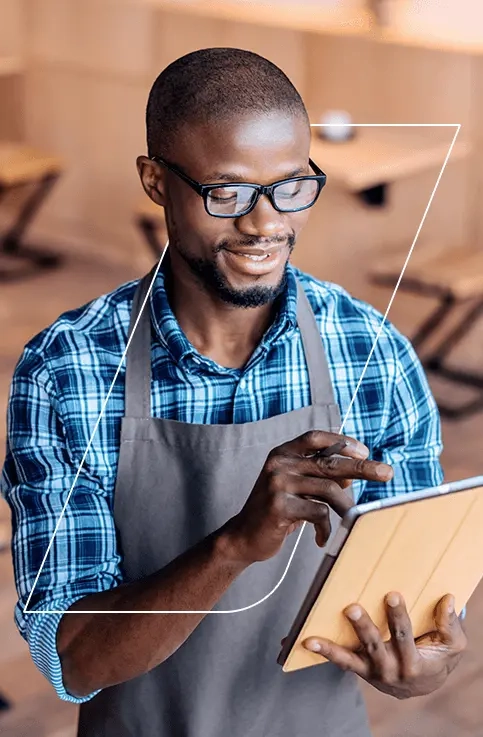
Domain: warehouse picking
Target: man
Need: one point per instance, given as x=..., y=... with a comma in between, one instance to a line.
x=172, y=546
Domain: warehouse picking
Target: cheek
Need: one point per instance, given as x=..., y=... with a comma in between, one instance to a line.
x=298, y=221
x=195, y=229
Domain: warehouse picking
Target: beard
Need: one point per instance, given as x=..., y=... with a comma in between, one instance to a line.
x=214, y=281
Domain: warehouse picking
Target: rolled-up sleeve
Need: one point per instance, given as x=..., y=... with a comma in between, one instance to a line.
x=63, y=542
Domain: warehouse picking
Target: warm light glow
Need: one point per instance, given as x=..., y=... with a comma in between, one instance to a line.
x=453, y=20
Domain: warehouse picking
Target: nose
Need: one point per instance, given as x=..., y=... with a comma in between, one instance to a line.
x=263, y=221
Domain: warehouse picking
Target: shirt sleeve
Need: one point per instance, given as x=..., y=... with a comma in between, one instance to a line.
x=410, y=439
x=63, y=544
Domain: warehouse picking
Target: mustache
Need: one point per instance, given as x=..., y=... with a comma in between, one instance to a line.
x=254, y=242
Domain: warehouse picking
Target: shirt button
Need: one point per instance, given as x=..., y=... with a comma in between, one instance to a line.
x=243, y=384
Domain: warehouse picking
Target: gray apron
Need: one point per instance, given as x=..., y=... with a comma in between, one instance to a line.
x=177, y=483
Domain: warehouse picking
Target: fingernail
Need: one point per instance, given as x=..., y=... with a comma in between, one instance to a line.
x=354, y=614
x=384, y=471
x=312, y=645
x=393, y=600
x=360, y=449
x=451, y=605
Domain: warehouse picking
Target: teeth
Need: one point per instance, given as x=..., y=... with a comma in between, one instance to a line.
x=255, y=258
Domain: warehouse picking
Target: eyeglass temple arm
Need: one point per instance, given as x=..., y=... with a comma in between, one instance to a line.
x=195, y=185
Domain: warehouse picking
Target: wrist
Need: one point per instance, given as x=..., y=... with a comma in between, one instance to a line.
x=230, y=547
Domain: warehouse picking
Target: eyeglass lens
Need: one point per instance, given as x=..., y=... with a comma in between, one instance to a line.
x=232, y=199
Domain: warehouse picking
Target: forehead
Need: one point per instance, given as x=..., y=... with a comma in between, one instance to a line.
x=256, y=147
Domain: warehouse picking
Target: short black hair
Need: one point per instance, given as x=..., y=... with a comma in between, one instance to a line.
x=215, y=84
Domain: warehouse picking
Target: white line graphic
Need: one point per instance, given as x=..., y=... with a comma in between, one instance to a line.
x=267, y=596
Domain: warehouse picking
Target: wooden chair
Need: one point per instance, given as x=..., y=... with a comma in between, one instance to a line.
x=455, y=278
x=151, y=222
x=25, y=168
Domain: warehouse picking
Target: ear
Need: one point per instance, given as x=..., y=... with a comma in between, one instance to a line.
x=152, y=179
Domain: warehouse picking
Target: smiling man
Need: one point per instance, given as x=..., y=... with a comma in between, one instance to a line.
x=162, y=610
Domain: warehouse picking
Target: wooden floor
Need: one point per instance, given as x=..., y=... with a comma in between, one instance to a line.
x=28, y=306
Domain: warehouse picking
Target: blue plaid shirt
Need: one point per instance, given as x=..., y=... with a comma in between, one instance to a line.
x=60, y=385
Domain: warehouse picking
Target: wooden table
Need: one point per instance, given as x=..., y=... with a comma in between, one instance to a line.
x=383, y=155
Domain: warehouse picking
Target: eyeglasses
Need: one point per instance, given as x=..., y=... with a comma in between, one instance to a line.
x=235, y=199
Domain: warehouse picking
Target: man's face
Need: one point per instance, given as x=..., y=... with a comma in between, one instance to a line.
x=228, y=256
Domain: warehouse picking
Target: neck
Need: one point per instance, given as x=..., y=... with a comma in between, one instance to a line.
x=225, y=333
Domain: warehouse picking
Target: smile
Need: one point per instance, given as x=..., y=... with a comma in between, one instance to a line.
x=255, y=257
x=255, y=263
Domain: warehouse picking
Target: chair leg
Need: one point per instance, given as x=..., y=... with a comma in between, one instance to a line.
x=456, y=336
x=434, y=361
x=434, y=364
x=435, y=319
x=11, y=243
x=462, y=411
x=149, y=231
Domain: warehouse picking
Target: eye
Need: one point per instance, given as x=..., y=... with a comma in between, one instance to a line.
x=224, y=194
x=289, y=190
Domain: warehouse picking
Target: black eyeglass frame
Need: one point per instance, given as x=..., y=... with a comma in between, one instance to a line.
x=204, y=189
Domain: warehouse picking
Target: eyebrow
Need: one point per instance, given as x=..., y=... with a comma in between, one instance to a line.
x=227, y=176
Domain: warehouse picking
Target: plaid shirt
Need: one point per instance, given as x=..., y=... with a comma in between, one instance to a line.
x=60, y=385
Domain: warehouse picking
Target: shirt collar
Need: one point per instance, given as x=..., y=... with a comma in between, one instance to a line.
x=181, y=350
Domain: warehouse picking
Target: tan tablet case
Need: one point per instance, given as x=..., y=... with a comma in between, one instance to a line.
x=424, y=549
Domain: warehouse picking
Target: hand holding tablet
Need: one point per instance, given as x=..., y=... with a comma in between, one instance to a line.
x=402, y=667
x=421, y=547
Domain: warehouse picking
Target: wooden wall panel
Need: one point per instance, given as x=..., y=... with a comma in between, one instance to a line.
x=108, y=37
x=115, y=37
x=56, y=119
x=475, y=130
x=175, y=34
x=340, y=76
x=12, y=107
x=97, y=126
x=452, y=20
x=417, y=85
x=381, y=83
x=11, y=28
x=51, y=28
x=114, y=141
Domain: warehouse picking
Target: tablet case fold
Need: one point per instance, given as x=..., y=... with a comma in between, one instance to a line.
x=424, y=549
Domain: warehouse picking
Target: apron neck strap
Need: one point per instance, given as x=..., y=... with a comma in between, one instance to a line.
x=138, y=358
x=321, y=391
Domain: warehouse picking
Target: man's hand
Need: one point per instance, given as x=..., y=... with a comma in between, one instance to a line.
x=401, y=667
x=277, y=504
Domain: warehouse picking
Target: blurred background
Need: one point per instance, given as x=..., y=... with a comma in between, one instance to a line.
x=74, y=81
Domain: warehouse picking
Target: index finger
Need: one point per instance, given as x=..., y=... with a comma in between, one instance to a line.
x=318, y=440
x=346, y=468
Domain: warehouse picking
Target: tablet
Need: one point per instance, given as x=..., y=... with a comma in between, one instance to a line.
x=424, y=544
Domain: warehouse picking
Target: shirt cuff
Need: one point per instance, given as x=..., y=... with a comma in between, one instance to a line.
x=42, y=640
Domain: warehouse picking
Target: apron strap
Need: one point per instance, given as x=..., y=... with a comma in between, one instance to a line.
x=321, y=391
x=138, y=357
